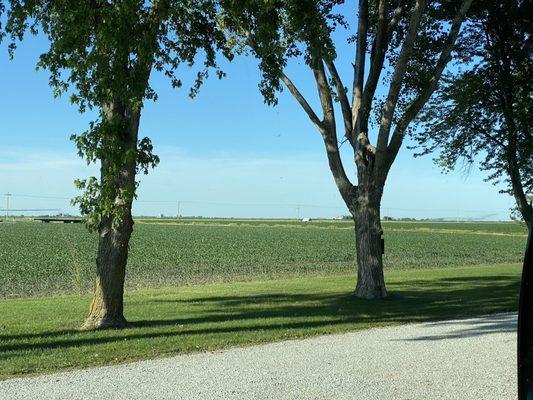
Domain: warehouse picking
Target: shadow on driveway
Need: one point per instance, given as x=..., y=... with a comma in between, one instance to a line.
x=484, y=325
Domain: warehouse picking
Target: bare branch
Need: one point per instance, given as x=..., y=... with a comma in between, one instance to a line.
x=343, y=99
x=329, y=133
x=377, y=58
x=324, y=92
x=397, y=78
x=359, y=71
x=414, y=108
x=294, y=91
x=303, y=102
x=379, y=45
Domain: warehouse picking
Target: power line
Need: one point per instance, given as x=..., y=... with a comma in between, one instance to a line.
x=31, y=196
x=296, y=206
x=8, y=195
x=31, y=209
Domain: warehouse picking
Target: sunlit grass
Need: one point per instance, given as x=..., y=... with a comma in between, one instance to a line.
x=39, y=335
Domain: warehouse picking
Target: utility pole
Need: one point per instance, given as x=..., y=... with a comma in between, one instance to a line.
x=298, y=212
x=179, y=203
x=8, y=195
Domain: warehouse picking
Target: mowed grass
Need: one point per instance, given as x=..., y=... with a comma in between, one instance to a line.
x=47, y=259
x=39, y=335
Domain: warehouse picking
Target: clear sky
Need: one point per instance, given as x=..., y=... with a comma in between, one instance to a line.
x=224, y=153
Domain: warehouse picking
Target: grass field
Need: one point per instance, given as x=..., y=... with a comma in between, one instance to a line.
x=46, y=259
x=39, y=335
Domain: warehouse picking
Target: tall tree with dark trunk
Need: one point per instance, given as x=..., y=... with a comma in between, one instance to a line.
x=102, y=53
x=486, y=111
x=414, y=39
x=485, y=114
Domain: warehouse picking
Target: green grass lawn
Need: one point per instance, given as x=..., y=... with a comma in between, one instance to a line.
x=39, y=335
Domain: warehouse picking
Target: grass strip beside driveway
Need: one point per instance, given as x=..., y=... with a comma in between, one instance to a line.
x=40, y=335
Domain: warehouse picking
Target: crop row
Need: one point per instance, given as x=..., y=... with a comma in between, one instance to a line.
x=59, y=258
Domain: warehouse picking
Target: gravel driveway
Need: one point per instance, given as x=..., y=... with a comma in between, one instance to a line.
x=462, y=359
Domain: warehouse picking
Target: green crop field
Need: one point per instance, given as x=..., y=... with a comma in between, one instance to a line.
x=44, y=259
x=434, y=271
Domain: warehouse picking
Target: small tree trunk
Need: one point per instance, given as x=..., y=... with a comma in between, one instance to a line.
x=107, y=307
x=368, y=232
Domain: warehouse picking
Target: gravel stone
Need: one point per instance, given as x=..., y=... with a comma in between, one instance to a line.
x=460, y=359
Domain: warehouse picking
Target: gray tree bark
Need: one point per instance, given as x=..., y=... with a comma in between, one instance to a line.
x=107, y=307
x=368, y=232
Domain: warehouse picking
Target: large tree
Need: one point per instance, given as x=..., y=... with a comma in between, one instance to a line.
x=484, y=113
x=102, y=53
x=401, y=46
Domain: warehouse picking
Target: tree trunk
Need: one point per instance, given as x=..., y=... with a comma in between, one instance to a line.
x=107, y=307
x=368, y=232
x=525, y=323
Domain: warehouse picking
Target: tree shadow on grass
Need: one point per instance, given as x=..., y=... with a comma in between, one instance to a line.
x=241, y=314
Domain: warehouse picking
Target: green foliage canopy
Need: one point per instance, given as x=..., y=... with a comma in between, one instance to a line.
x=484, y=113
x=283, y=30
x=102, y=53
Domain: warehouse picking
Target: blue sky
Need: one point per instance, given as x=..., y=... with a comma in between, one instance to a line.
x=224, y=153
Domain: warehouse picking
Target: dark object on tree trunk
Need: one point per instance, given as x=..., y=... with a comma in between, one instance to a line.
x=525, y=327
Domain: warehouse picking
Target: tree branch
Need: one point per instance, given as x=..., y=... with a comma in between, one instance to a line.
x=329, y=133
x=303, y=102
x=343, y=99
x=518, y=191
x=414, y=108
x=377, y=58
x=294, y=91
x=493, y=139
x=397, y=14
x=326, y=127
x=397, y=78
x=324, y=93
x=359, y=72
x=155, y=15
